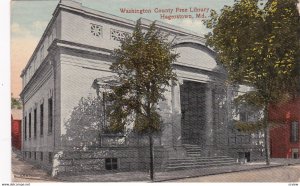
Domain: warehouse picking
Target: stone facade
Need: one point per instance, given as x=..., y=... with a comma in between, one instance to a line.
x=74, y=51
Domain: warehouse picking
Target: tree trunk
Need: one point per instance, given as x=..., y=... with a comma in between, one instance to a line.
x=151, y=157
x=266, y=134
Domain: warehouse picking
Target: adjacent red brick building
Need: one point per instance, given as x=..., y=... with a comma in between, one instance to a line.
x=284, y=138
x=16, y=118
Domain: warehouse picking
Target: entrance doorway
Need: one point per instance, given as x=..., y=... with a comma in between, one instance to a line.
x=193, y=119
x=295, y=153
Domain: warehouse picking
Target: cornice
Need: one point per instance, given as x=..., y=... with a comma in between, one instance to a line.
x=78, y=9
x=36, y=50
x=38, y=71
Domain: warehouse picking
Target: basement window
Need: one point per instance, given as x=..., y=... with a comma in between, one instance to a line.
x=111, y=163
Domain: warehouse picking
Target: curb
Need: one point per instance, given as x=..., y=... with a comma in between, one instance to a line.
x=31, y=177
x=226, y=172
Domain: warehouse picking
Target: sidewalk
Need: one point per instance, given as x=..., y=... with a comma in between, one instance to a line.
x=173, y=175
x=25, y=172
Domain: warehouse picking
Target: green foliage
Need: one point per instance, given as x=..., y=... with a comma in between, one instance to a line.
x=248, y=127
x=84, y=125
x=15, y=103
x=252, y=127
x=143, y=64
x=259, y=47
x=258, y=44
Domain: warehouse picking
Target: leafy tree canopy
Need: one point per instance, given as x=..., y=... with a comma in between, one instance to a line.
x=143, y=65
x=258, y=43
x=15, y=103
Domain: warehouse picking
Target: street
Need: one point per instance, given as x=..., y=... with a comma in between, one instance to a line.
x=25, y=172
x=274, y=174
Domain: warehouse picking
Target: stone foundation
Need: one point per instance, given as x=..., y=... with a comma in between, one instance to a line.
x=93, y=161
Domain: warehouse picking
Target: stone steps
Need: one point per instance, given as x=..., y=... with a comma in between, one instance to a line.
x=195, y=166
x=216, y=160
x=196, y=159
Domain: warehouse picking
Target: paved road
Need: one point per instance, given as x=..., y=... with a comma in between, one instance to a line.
x=275, y=174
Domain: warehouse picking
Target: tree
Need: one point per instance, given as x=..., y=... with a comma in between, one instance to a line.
x=144, y=67
x=258, y=44
x=15, y=103
x=84, y=125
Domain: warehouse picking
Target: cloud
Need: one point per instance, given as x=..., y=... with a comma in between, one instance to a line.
x=39, y=25
x=19, y=31
x=23, y=42
x=21, y=51
x=194, y=25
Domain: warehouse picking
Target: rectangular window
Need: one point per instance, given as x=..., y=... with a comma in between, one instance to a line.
x=294, y=131
x=34, y=123
x=25, y=128
x=29, y=126
x=34, y=155
x=42, y=156
x=50, y=157
x=50, y=115
x=30, y=155
x=111, y=163
x=42, y=119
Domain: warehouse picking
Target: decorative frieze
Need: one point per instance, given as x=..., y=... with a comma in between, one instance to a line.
x=96, y=30
x=118, y=35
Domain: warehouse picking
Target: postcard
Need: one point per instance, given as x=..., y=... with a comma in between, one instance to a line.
x=155, y=91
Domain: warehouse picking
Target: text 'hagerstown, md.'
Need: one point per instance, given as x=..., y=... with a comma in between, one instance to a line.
x=170, y=13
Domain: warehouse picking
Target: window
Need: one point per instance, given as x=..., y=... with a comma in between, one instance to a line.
x=34, y=123
x=50, y=157
x=294, y=131
x=111, y=163
x=34, y=155
x=50, y=115
x=29, y=126
x=42, y=119
x=30, y=155
x=25, y=128
x=42, y=156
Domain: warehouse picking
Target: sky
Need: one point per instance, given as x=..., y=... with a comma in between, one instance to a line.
x=29, y=19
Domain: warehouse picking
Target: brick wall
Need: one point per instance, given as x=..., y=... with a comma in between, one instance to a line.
x=284, y=114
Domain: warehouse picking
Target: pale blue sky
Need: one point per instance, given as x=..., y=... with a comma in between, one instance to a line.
x=29, y=19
